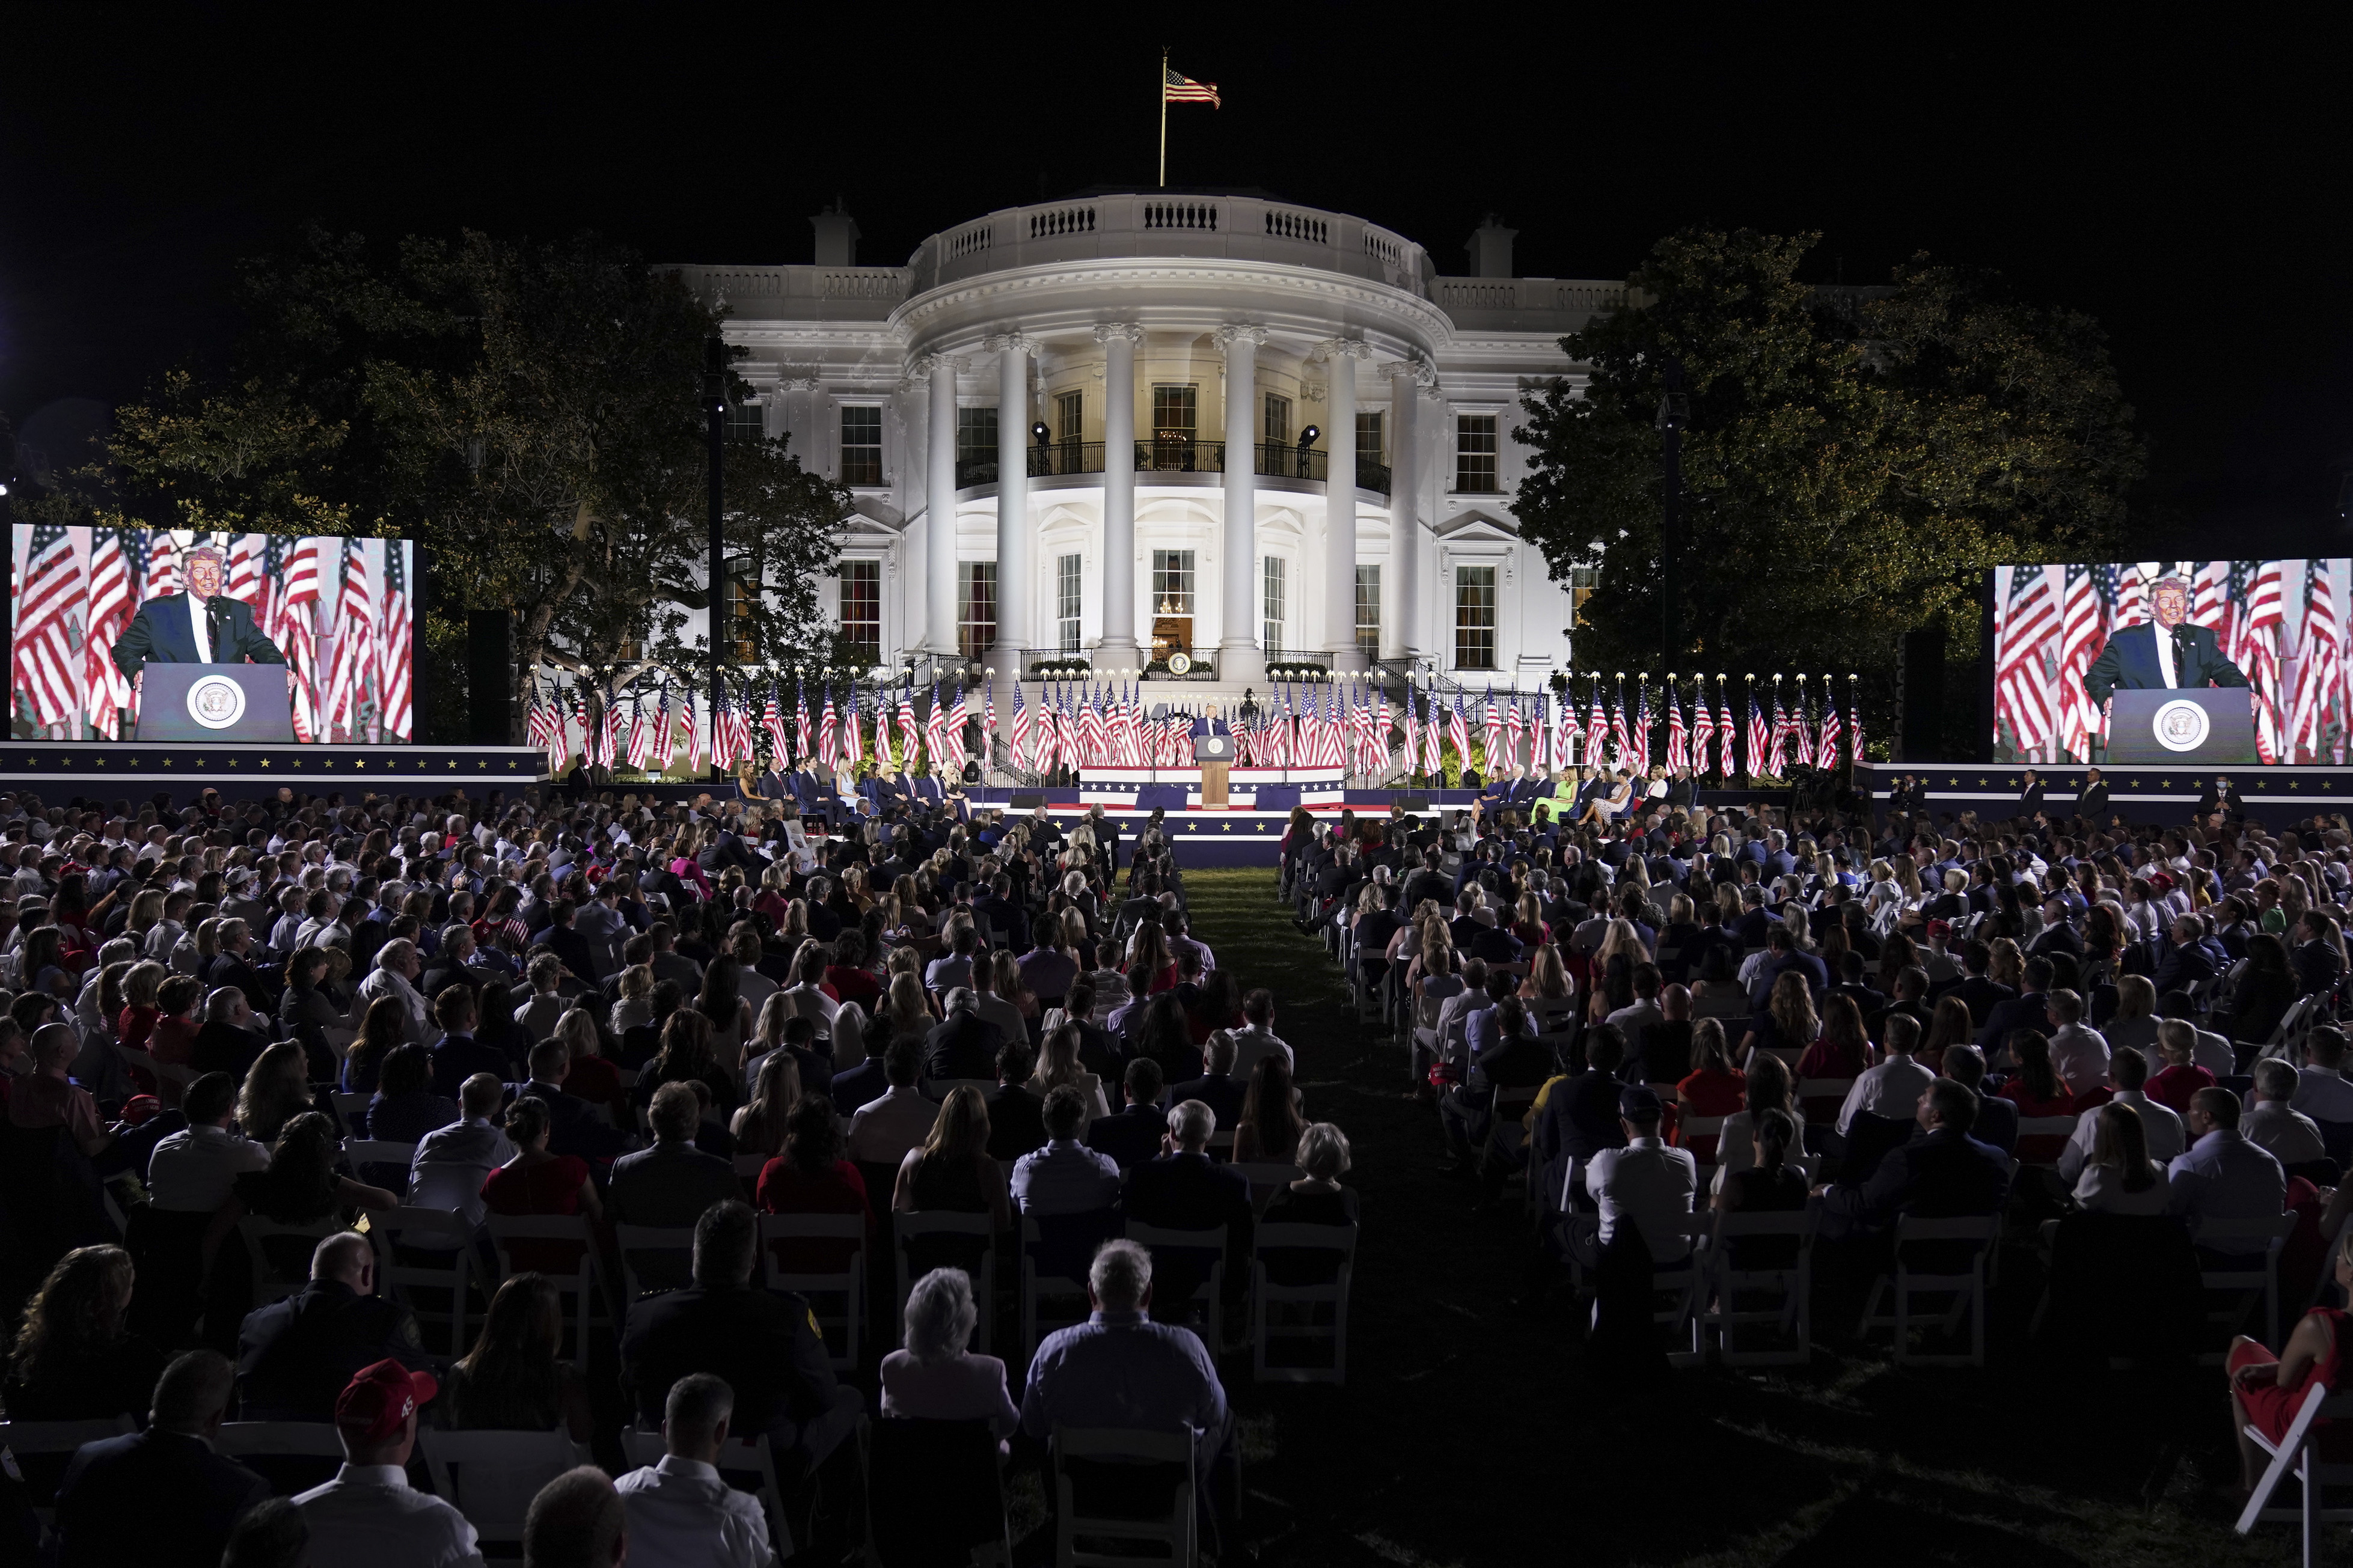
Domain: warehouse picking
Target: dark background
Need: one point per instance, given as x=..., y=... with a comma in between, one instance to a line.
x=2185, y=186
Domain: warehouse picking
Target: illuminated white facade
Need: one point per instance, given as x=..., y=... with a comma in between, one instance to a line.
x=1148, y=338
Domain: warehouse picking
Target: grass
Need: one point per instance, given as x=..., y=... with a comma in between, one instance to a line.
x=1470, y=1435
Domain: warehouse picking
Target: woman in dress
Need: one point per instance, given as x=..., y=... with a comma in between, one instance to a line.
x=2267, y=1390
x=1712, y=1087
x=813, y=1175
x=538, y=1183
x=2034, y=1085
x=1268, y=1131
x=2120, y=1177
x=1842, y=1049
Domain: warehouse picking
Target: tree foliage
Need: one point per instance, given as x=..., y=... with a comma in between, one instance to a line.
x=533, y=415
x=1854, y=460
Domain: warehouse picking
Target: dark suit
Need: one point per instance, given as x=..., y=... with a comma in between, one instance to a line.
x=457, y=1057
x=228, y=969
x=669, y=1186
x=1130, y=1135
x=160, y=633
x=2031, y=1011
x=1943, y=1175
x=1187, y=1192
x=574, y=1126
x=763, y=1343
x=224, y=1048
x=1017, y=1122
x=154, y=1496
x=2093, y=804
x=963, y=1046
x=1221, y=1092
x=853, y=1089
x=2130, y=662
x=2029, y=799
x=293, y=1357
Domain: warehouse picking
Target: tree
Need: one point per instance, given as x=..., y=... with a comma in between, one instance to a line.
x=1852, y=460
x=532, y=414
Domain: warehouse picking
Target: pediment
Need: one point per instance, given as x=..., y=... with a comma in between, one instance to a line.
x=1476, y=528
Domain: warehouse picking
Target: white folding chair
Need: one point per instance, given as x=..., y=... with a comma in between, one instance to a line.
x=373, y=1158
x=848, y=1284
x=1266, y=1179
x=1792, y=1314
x=2257, y=1280
x=270, y=1282
x=1171, y=1535
x=1265, y=1296
x=741, y=1458
x=57, y=1439
x=1210, y=1296
x=1686, y=1278
x=316, y=1452
x=1048, y=1302
x=506, y=1230
x=631, y=1240
x=1702, y=1138
x=922, y=1224
x=352, y=1111
x=747, y=1169
x=492, y=1476
x=1967, y=1290
x=1820, y=1099
x=439, y=1236
x=177, y=1075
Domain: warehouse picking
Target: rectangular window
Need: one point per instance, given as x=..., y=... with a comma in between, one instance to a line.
x=1068, y=578
x=1069, y=416
x=975, y=604
x=1278, y=420
x=976, y=435
x=1369, y=607
x=861, y=446
x=742, y=637
x=746, y=422
x=1368, y=437
x=1172, y=582
x=1175, y=413
x=861, y=608
x=1474, y=617
x=1273, y=596
x=1475, y=454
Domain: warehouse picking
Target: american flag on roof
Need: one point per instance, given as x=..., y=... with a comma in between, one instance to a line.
x=1179, y=88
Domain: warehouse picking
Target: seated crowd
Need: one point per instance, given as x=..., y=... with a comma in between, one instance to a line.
x=259, y=1062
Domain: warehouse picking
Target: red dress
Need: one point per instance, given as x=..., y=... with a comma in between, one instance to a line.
x=552, y=1187
x=786, y=1189
x=1713, y=1092
x=2271, y=1409
x=2018, y=1094
x=2174, y=1085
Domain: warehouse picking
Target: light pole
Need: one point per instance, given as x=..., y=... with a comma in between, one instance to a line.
x=1675, y=413
x=714, y=409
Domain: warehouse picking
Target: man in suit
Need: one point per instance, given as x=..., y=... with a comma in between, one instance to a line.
x=2221, y=795
x=296, y=1355
x=1017, y=1117
x=1216, y=1088
x=2167, y=653
x=1943, y=1175
x=2028, y=1010
x=202, y=625
x=2030, y=795
x=573, y=1127
x=1181, y=1190
x=2091, y=804
x=966, y=1044
x=670, y=1184
x=1132, y=1134
x=118, y=1490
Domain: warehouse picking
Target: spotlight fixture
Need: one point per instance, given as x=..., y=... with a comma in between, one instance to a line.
x=1039, y=434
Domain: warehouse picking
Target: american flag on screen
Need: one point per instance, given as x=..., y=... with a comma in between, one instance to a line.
x=297, y=603
x=163, y=573
x=244, y=580
x=397, y=699
x=355, y=646
x=51, y=588
x=2021, y=686
x=111, y=607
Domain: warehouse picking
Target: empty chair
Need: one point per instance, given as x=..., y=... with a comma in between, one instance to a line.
x=1108, y=1492
x=280, y=1254
x=1951, y=1263
x=380, y=1162
x=1207, y=1297
x=425, y=1257
x=1763, y=1276
x=836, y=1295
x=291, y=1456
x=1294, y=1313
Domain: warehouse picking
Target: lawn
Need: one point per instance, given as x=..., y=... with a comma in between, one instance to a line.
x=1469, y=1432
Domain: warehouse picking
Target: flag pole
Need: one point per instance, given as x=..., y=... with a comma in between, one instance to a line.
x=1163, y=88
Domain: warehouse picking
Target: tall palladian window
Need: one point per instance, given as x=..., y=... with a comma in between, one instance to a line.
x=975, y=607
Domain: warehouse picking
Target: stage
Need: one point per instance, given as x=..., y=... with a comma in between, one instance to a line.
x=57, y=771
x=2277, y=797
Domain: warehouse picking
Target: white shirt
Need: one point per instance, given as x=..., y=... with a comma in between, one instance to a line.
x=370, y=1517
x=681, y=1513
x=1891, y=1089
x=2323, y=1094
x=2159, y=1125
x=2165, y=654
x=1648, y=1183
x=1254, y=1042
x=2080, y=1055
x=451, y=1163
x=2101, y=1190
x=2289, y=1134
x=203, y=633
x=192, y=1170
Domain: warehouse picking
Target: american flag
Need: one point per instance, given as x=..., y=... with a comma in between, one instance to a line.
x=1492, y=733
x=1759, y=737
x=2318, y=712
x=1178, y=88
x=394, y=644
x=355, y=646
x=2131, y=597
x=1800, y=728
x=1726, y=733
x=1089, y=727
x=544, y=726
x=51, y=590
x=1826, y=752
x=935, y=734
x=1384, y=721
x=1434, y=731
x=1022, y=756
x=109, y=612
x=665, y=745
x=2259, y=642
x=2082, y=631
x=829, y=728
x=989, y=723
x=1458, y=729
x=641, y=738
x=957, y=722
x=1776, y=755
x=1412, y=734
x=1515, y=728
x=722, y=730
x=587, y=728
x=1621, y=734
x=608, y=748
x=2021, y=686
x=801, y=732
x=695, y=734
x=2209, y=593
x=910, y=732
x=853, y=741
x=296, y=602
x=1564, y=731
x=244, y=581
x=1702, y=731
x=772, y=719
x=163, y=573
x=1678, y=737
x=1597, y=728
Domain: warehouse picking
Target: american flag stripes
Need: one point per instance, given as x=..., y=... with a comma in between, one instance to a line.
x=396, y=698
x=1776, y=754
x=828, y=729
x=2021, y=680
x=1177, y=87
x=1826, y=751
x=2081, y=635
x=1597, y=728
x=1702, y=731
x=1022, y=757
x=909, y=732
x=2266, y=617
x=354, y=645
x=1678, y=736
x=1759, y=737
x=111, y=607
x=49, y=595
x=1726, y=733
x=772, y=719
x=640, y=733
x=1619, y=735
x=2317, y=715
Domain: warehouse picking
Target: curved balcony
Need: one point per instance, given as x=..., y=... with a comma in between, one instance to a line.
x=1272, y=459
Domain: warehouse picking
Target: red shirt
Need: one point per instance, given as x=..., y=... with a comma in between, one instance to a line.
x=2174, y=1085
x=1714, y=1093
x=550, y=1188
x=2018, y=1094
x=134, y=1025
x=175, y=1041
x=786, y=1189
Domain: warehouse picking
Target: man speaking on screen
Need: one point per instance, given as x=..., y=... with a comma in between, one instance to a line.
x=2171, y=654
x=202, y=625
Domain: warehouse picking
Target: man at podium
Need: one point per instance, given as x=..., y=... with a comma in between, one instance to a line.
x=202, y=625
x=2171, y=654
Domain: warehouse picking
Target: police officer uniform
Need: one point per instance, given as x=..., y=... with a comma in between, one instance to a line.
x=295, y=1356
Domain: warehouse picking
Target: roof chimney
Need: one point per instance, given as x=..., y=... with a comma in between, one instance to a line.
x=837, y=237
x=1489, y=246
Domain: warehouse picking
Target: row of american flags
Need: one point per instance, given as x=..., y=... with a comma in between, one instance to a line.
x=76, y=588
x=1350, y=727
x=2051, y=622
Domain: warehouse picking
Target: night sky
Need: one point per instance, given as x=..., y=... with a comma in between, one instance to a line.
x=2185, y=185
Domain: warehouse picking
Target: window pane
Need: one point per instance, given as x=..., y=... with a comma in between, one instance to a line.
x=976, y=603
x=1368, y=606
x=744, y=422
x=1474, y=453
x=1278, y=420
x=743, y=639
x=976, y=435
x=1368, y=437
x=1068, y=601
x=861, y=446
x=1172, y=582
x=1069, y=416
x=1273, y=596
x=1474, y=617
x=861, y=608
x=1174, y=412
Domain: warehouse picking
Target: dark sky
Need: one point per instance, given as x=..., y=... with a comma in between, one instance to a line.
x=2184, y=184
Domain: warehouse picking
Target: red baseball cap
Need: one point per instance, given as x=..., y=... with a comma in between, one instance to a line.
x=1940, y=928
x=380, y=1398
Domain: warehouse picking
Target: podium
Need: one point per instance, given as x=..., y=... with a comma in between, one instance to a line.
x=245, y=702
x=2207, y=724
x=1214, y=754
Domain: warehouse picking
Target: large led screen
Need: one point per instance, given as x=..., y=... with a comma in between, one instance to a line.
x=92, y=608
x=2068, y=637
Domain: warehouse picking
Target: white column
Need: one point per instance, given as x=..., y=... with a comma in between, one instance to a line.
x=1013, y=351
x=1240, y=660
x=1400, y=583
x=1340, y=356
x=1119, y=647
x=939, y=530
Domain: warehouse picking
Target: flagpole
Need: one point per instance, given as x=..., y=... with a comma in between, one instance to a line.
x=1163, y=88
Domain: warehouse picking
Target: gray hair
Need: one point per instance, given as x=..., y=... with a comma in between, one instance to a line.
x=2275, y=1079
x=1120, y=1276
x=698, y=1403
x=940, y=1315
x=221, y=1006
x=1191, y=1121
x=1323, y=1152
x=961, y=999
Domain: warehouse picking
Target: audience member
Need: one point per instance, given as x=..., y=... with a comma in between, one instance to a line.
x=369, y=1514
x=680, y=1510
x=118, y=1490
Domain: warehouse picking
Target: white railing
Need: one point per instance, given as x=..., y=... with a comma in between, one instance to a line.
x=1520, y=296
x=864, y=291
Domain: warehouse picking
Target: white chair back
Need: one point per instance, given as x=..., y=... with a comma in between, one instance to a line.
x=492, y=1476
x=1171, y=1537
